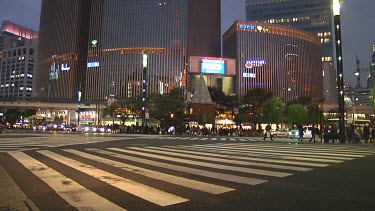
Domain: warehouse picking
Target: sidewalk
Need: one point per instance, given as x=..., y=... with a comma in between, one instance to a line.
x=12, y=197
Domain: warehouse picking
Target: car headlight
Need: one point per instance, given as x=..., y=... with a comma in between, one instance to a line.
x=94, y=129
x=87, y=129
x=102, y=130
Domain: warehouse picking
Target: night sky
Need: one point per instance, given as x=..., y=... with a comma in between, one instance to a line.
x=357, y=18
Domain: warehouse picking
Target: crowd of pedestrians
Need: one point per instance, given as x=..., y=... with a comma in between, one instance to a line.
x=326, y=134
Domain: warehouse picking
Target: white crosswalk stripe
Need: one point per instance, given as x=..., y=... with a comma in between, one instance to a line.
x=208, y=168
x=145, y=192
x=205, y=187
x=65, y=187
x=206, y=164
x=194, y=171
x=181, y=154
x=32, y=143
x=203, y=138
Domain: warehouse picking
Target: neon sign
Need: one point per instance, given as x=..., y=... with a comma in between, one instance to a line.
x=65, y=67
x=213, y=66
x=255, y=63
x=248, y=75
x=246, y=26
x=92, y=64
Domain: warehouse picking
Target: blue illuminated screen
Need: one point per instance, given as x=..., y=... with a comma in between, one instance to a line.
x=213, y=66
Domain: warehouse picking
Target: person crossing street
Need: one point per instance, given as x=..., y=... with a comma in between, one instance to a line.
x=268, y=132
x=313, y=132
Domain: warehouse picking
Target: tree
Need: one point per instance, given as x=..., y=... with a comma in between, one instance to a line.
x=297, y=114
x=123, y=108
x=12, y=116
x=168, y=108
x=272, y=110
x=313, y=113
x=372, y=98
x=223, y=103
x=253, y=101
x=304, y=100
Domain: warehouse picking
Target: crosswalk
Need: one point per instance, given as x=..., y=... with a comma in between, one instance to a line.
x=210, y=169
x=56, y=140
x=205, y=138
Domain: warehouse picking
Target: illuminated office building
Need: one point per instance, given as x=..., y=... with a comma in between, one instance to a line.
x=277, y=58
x=96, y=46
x=312, y=16
x=18, y=52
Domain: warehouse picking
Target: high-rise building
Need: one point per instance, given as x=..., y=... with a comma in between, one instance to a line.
x=18, y=54
x=276, y=58
x=312, y=16
x=96, y=46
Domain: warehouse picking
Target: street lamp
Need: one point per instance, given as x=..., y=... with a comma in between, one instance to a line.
x=340, y=74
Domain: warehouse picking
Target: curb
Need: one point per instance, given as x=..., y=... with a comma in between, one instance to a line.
x=30, y=204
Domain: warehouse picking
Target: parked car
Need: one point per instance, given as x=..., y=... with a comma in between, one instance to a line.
x=294, y=133
x=280, y=133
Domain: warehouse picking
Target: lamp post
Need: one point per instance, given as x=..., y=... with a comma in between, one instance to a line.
x=340, y=76
x=144, y=89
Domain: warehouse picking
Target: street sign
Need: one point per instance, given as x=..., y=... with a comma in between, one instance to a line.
x=235, y=110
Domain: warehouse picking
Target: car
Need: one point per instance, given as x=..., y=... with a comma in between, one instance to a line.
x=280, y=133
x=58, y=127
x=103, y=129
x=71, y=128
x=88, y=128
x=294, y=133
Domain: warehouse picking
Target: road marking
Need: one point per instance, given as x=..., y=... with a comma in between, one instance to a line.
x=206, y=158
x=297, y=151
x=72, y=192
x=204, y=173
x=210, y=165
x=230, y=155
x=318, y=148
x=193, y=184
x=279, y=155
x=142, y=191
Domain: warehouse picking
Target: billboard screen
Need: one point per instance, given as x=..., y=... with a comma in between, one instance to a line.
x=213, y=66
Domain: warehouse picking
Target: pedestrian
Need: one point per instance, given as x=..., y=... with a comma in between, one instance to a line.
x=373, y=134
x=351, y=133
x=313, y=132
x=366, y=132
x=268, y=132
x=300, y=132
x=333, y=134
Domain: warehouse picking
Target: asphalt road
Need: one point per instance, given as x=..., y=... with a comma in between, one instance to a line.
x=59, y=171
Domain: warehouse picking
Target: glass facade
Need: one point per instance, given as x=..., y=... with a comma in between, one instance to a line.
x=119, y=32
x=280, y=59
x=313, y=16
